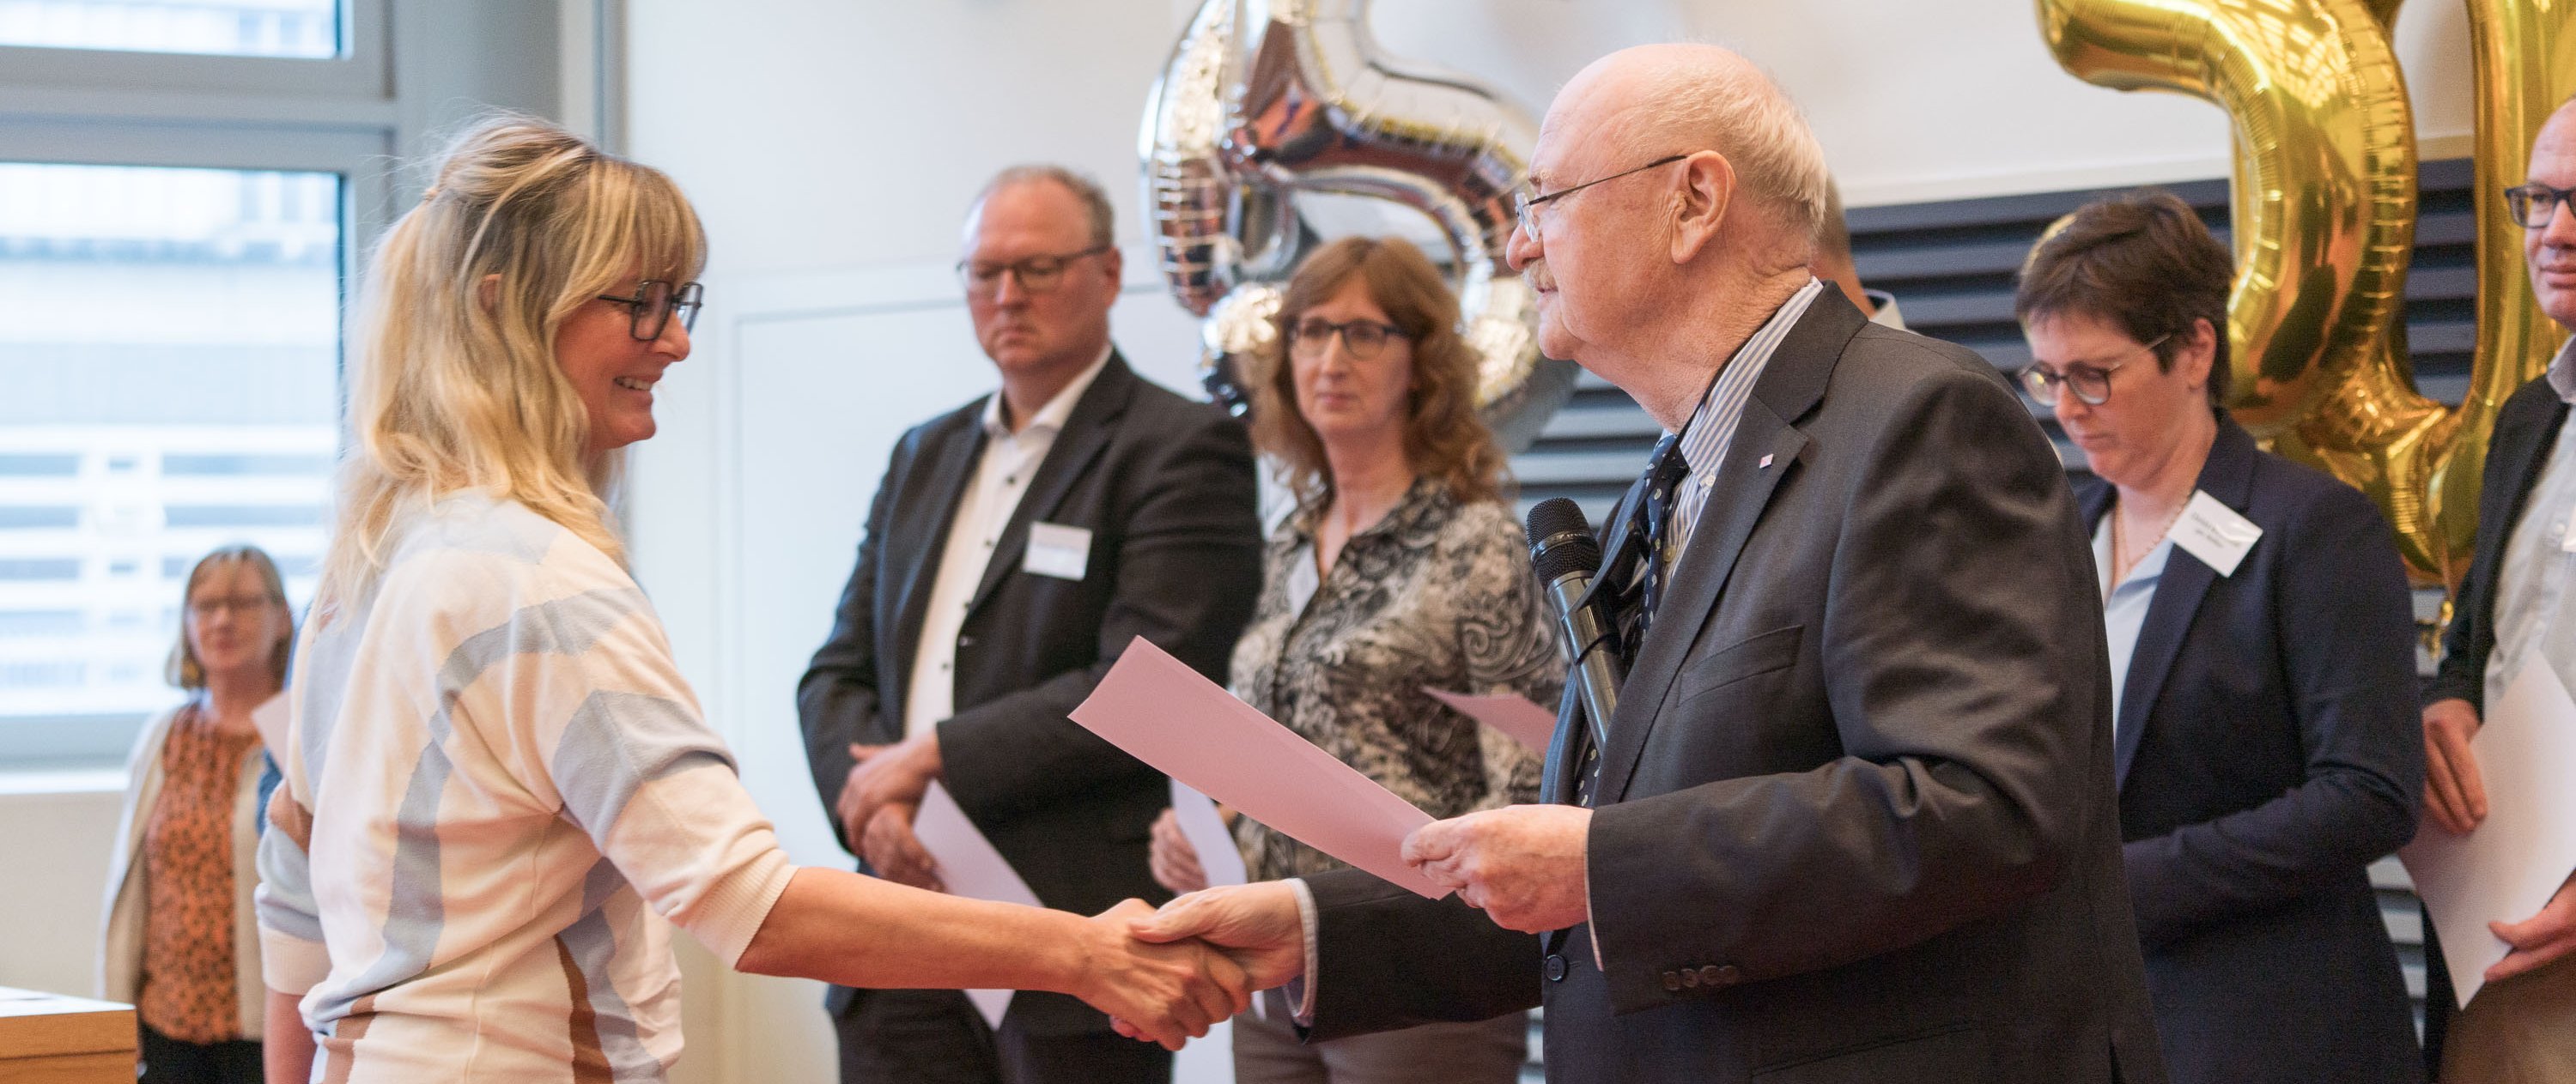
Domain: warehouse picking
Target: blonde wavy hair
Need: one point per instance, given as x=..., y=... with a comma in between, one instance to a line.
x=1443, y=435
x=454, y=385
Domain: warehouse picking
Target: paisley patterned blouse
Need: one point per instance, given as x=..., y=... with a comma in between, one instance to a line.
x=1439, y=594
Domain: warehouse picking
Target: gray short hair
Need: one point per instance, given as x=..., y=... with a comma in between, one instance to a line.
x=1095, y=200
x=1740, y=112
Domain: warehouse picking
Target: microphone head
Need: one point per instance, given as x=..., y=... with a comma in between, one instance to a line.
x=1555, y=516
x=1561, y=540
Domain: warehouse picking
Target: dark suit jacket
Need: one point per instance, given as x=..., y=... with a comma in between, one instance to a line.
x=1165, y=486
x=2269, y=750
x=2526, y=434
x=1856, y=816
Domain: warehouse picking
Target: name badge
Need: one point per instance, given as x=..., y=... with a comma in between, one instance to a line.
x=1057, y=550
x=2214, y=533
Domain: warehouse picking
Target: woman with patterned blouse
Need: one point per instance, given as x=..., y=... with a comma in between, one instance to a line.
x=181, y=942
x=1401, y=570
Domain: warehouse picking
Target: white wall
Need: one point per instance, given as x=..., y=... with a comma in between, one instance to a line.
x=832, y=145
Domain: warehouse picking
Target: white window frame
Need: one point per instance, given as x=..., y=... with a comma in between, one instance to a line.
x=345, y=115
x=359, y=71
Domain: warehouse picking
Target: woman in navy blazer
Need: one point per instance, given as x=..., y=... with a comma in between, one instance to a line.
x=2266, y=747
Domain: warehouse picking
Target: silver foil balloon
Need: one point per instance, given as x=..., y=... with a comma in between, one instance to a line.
x=1267, y=100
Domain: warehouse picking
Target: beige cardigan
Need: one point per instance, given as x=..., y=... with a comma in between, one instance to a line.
x=121, y=936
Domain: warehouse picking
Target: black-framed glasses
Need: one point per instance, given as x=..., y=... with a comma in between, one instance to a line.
x=2090, y=383
x=2533, y=205
x=1363, y=338
x=1526, y=201
x=648, y=313
x=1037, y=274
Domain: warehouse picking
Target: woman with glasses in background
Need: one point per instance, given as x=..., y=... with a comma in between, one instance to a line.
x=2262, y=668
x=180, y=943
x=1401, y=569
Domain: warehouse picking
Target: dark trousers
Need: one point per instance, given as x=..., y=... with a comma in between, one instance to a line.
x=170, y=1061
x=936, y=1037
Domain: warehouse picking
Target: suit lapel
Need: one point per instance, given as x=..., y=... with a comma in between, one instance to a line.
x=1727, y=517
x=1764, y=451
x=1086, y=434
x=923, y=534
x=2228, y=476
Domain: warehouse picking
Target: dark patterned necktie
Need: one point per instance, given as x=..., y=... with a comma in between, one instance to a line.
x=1664, y=476
x=1646, y=530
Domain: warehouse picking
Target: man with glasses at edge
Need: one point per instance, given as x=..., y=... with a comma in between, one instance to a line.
x=2515, y=609
x=1853, y=819
x=1014, y=546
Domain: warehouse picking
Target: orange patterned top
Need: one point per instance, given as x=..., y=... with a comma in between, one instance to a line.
x=188, y=990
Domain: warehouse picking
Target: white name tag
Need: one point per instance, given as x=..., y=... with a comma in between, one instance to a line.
x=2214, y=533
x=1057, y=550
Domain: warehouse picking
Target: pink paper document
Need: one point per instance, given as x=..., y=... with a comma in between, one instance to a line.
x=1163, y=713
x=1533, y=725
x=969, y=867
x=2514, y=862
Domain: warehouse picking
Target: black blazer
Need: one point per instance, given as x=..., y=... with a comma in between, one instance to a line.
x=1165, y=486
x=2526, y=434
x=2268, y=752
x=1856, y=816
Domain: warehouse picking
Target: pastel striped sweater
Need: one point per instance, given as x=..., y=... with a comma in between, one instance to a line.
x=494, y=778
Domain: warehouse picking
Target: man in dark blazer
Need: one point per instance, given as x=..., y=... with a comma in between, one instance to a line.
x=2532, y=991
x=1854, y=818
x=1013, y=547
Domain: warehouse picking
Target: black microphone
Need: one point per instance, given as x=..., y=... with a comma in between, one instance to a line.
x=1565, y=555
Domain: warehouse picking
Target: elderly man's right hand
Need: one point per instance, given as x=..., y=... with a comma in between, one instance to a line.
x=1256, y=924
x=1162, y=993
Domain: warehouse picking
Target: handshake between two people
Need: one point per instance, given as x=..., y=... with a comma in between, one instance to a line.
x=1524, y=866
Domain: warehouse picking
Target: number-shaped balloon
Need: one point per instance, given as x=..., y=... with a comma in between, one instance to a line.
x=1263, y=101
x=2324, y=222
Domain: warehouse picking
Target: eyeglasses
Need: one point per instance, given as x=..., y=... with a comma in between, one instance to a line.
x=2090, y=383
x=2533, y=205
x=203, y=608
x=648, y=313
x=1037, y=274
x=1363, y=338
x=1526, y=201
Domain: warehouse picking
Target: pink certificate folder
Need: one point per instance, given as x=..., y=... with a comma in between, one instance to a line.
x=1163, y=713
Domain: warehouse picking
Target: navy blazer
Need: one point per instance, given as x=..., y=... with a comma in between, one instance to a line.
x=2268, y=751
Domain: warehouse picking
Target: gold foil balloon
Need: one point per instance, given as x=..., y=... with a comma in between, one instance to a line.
x=2324, y=205
x=2524, y=61
x=1264, y=102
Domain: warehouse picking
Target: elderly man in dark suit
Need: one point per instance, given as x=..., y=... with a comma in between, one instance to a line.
x=1854, y=819
x=1014, y=546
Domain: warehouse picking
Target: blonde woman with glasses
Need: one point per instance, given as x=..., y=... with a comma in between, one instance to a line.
x=179, y=943
x=493, y=766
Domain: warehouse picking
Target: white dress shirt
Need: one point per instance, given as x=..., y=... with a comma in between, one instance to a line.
x=992, y=494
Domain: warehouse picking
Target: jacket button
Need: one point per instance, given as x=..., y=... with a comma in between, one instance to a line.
x=1555, y=967
x=1690, y=978
x=1672, y=980
x=1726, y=975
x=965, y=641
